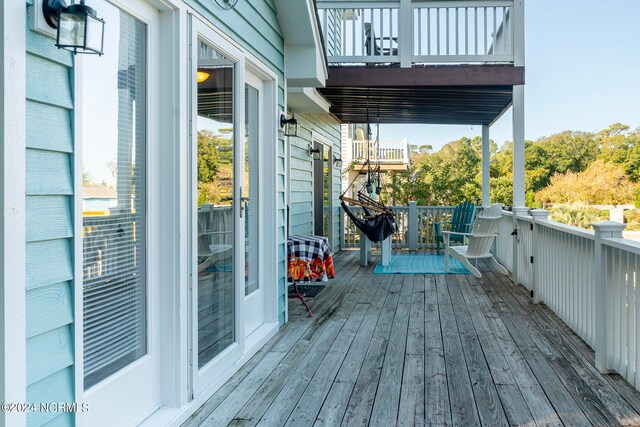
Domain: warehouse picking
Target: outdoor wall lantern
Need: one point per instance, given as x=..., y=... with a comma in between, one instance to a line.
x=337, y=160
x=79, y=28
x=314, y=152
x=290, y=126
x=226, y=4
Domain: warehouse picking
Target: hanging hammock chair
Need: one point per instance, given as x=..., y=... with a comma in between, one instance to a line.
x=377, y=221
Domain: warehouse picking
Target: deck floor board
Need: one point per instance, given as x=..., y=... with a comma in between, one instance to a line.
x=418, y=349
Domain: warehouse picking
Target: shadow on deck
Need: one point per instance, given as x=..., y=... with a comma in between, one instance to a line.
x=421, y=350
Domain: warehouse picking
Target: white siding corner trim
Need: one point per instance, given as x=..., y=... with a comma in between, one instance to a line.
x=12, y=216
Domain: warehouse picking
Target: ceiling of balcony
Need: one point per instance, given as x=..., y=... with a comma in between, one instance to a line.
x=429, y=94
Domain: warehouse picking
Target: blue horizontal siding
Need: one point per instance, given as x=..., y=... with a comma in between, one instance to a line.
x=49, y=307
x=48, y=217
x=49, y=231
x=49, y=262
x=57, y=123
x=48, y=172
x=49, y=353
x=57, y=387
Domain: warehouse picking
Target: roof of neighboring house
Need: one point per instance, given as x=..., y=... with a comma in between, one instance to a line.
x=98, y=192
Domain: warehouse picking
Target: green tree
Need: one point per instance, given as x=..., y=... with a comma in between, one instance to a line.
x=208, y=158
x=600, y=184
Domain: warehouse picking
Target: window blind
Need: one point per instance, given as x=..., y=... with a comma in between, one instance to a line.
x=114, y=199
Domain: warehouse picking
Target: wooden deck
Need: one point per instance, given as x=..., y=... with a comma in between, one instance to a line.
x=421, y=350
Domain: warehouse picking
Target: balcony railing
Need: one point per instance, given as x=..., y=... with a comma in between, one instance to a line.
x=396, y=152
x=410, y=32
x=591, y=280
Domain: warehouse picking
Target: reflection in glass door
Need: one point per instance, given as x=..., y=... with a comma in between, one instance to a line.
x=215, y=207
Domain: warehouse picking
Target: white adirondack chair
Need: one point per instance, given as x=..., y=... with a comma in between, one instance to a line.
x=479, y=244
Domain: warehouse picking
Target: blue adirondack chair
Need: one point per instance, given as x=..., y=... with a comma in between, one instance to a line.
x=461, y=222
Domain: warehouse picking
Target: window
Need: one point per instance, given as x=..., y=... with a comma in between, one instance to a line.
x=114, y=140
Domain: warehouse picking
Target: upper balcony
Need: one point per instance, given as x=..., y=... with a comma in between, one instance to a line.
x=390, y=155
x=422, y=61
x=406, y=32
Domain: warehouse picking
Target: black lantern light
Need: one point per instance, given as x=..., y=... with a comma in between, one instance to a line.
x=79, y=28
x=314, y=152
x=337, y=160
x=290, y=125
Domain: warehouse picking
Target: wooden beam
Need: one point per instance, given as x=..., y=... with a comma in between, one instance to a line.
x=437, y=76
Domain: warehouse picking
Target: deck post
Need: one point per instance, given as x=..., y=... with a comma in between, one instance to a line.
x=341, y=227
x=486, y=159
x=603, y=230
x=518, y=33
x=518, y=146
x=518, y=211
x=365, y=246
x=405, y=33
x=538, y=215
x=385, y=251
x=412, y=228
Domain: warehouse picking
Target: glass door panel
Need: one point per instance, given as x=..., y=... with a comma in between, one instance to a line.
x=215, y=205
x=250, y=189
x=114, y=201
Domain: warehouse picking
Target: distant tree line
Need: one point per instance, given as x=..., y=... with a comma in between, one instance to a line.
x=571, y=166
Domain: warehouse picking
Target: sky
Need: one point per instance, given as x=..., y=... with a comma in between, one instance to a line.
x=582, y=72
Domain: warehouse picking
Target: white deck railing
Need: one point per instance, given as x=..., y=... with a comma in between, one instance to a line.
x=591, y=280
x=396, y=152
x=408, y=32
x=415, y=226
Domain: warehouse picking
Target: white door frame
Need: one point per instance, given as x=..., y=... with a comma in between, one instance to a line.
x=100, y=395
x=221, y=367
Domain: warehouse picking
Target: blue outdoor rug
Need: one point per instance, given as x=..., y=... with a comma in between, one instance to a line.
x=420, y=264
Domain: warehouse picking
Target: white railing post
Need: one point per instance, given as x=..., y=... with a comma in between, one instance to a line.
x=365, y=247
x=342, y=227
x=603, y=230
x=538, y=215
x=412, y=229
x=518, y=211
x=405, y=33
x=518, y=33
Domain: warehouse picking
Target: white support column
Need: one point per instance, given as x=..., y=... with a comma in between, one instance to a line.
x=518, y=146
x=412, y=229
x=518, y=106
x=405, y=36
x=539, y=215
x=385, y=247
x=603, y=230
x=365, y=247
x=12, y=210
x=486, y=161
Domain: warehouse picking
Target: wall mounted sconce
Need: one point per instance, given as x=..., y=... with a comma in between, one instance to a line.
x=314, y=152
x=290, y=125
x=337, y=160
x=226, y=4
x=79, y=30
